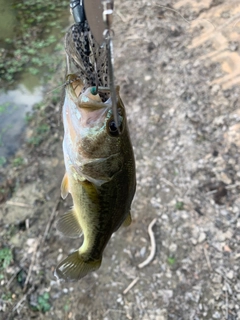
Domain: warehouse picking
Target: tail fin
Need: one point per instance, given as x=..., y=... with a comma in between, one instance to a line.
x=74, y=267
x=68, y=225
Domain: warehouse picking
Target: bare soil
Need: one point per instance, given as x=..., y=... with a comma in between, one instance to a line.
x=179, y=73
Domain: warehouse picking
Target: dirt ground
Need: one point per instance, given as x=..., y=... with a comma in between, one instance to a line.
x=179, y=73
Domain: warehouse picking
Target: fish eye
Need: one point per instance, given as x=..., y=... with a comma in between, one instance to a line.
x=113, y=130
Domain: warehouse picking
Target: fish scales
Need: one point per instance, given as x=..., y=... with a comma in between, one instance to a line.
x=99, y=160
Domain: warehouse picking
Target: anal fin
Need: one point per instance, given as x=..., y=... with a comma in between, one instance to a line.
x=127, y=221
x=68, y=225
x=64, y=186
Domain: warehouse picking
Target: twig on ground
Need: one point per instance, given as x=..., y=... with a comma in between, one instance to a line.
x=211, y=192
x=121, y=16
x=19, y=204
x=113, y=310
x=228, y=187
x=207, y=259
x=232, y=186
x=50, y=221
x=226, y=305
x=153, y=246
x=11, y=279
x=132, y=284
x=187, y=21
x=22, y=299
x=32, y=263
x=171, y=185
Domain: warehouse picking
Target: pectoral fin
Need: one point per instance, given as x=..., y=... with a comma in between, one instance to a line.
x=127, y=221
x=64, y=186
x=69, y=226
x=101, y=170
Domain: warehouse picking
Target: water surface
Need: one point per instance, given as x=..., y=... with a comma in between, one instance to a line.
x=23, y=85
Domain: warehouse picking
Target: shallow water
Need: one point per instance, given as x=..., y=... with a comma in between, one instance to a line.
x=27, y=89
x=14, y=107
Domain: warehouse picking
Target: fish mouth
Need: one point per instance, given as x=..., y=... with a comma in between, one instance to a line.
x=92, y=109
x=86, y=98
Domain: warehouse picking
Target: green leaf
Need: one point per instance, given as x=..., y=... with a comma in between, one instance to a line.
x=6, y=258
x=171, y=261
x=179, y=205
x=3, y=160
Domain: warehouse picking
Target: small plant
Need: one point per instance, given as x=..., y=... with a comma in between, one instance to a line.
x=43, y=129
x=6, y=296
x=43, y=302
x=38, y=106
x=171, y=261
x=21, y=278
x=3, y=107
x=6, y=258
x=35, y=141
x=3, y=160
x=179, y=205
x=18, y=161
x=28, y=118
x=66, y=307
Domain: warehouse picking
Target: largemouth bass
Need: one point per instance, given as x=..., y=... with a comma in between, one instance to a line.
x=100, y=175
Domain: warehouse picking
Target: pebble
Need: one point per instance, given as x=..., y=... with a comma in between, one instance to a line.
x=195, y=232
x=220, y=236
x=160, y=317
x=173, y=247
x=147, y=78
x=167, y=295
x=215, y=88
x=142, y=251
x=230, y=275
x=120, y=300
x=233, y=46
x=226, y=287
x=218, y=246
x=224, y=177
x=237, y=287
x=224, y=212
x=194, y=241
x=216, y=315
x=217, y=278
x=202, y=237
x=164, y=217
x=59, y=257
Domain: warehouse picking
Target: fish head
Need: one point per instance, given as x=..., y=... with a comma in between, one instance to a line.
x=90, y=122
